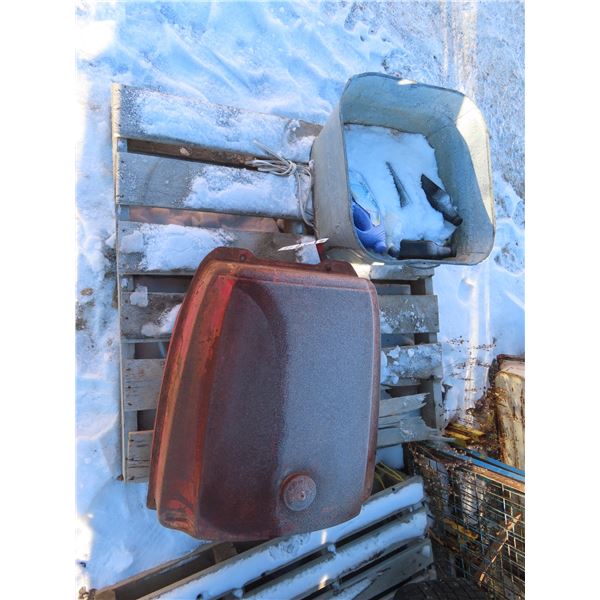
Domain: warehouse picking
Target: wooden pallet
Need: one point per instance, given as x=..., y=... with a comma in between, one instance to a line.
x=170, y=181
x=233, y=570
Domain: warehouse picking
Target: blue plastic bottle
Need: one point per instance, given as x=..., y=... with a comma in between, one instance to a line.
x=371, y=236
x=365, y=213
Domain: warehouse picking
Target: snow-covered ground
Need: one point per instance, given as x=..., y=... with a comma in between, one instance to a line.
x=288, y=59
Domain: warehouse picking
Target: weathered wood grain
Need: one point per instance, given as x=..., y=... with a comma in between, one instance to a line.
x=160, y=576
x=509, y=388
x=140, y=444
x=143, y=180
x=139, y=447
x=153, y=116
x=401, y=404
x=141, y=383
x=409, y=314
x=388, y=573
x=398, y=272
x=153, y=321
x=128, y=419
x=388, y=289
x=142, y=246
x=142, y=379
x=408, y=429
x=404, y=316
x=433, y=411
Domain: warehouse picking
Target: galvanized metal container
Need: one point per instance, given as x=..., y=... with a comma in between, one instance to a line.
x=453, y=126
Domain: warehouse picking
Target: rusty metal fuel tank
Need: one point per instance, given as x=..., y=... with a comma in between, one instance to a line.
x=267, y=416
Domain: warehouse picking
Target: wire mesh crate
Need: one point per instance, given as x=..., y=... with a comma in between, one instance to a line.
x=478, y=509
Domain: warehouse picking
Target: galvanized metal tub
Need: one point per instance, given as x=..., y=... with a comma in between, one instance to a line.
x=453, y=126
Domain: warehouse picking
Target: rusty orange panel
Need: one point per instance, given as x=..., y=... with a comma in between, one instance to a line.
x=267, y=416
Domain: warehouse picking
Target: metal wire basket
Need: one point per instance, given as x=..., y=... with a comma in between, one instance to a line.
x=477, y=507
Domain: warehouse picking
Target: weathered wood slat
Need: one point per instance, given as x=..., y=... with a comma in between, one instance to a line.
x=401, y=404
x=213, y=156
x=140, y=444
x=141, y=383
x=388, y=289
x=155, y=320
x=144, y=396
x=135, y=317
x=308, y=578
x=158, y=577
x=153, y=116
x=128, y=419
x=145, y=248
x=142, y=378
x=421, y=361
x=170, y=183
x=398, y=273
x=433, y=411
x=509, y=388
x=389, y=572
x=139, y=447
x=409, y=314
x=408, y=429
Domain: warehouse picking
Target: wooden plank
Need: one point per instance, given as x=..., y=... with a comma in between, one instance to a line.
x=402, y=316
x=433, y=411
x=408, y=429
x=409, y=314
x=224, y=551
x=138, y=455
x=401, y=404
x=267, y=559
x=153, y=116
x=227, y=158
x=400, y=272
x=145, y=180
x=421, y=361
x=128, y=419
x=154, y=320
x=388, y=573
x=141, y=383
x=148, y=248
x=312, y=576
x=512, y=364
x=509, y=389
x=387, y=289
x=158, y=577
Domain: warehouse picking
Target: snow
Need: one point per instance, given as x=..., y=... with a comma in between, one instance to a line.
x=166, y=247
x=346, y=558
x=368, y=150
x=287, y=59
x=244, y=190
x=417, y=361
x=139, y=297
x=235, y=130
x=354, y=590
x=165, y=324
x=277, y=553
